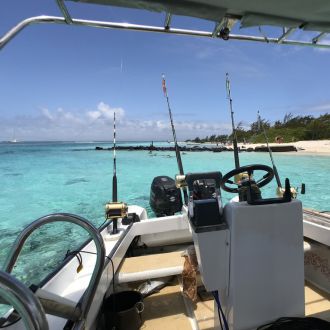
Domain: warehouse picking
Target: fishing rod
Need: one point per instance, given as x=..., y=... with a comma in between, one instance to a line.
x=115, y=210
x=114, y=178
x=177, y=150
x=277, y=177
x=236, y=157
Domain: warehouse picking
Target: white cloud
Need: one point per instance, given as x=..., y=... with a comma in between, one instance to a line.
x=96, y=124
x=105, y=113
x=93, y=114
x=47, y=113
x=60, y=117
x=322, y=50
x=324, y=107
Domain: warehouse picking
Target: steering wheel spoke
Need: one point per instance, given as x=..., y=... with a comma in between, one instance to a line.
x=248, y=169
x=232, y=182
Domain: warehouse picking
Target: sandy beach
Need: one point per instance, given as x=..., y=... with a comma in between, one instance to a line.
x=321, y=147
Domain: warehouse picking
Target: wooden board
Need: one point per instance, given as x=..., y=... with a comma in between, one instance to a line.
x=152, y=262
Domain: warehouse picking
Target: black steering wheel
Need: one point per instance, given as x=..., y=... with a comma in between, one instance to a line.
x=249, y=169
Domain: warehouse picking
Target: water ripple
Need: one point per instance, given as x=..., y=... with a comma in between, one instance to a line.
x=74, y=181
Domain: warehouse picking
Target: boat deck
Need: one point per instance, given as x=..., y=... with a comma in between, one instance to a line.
x=169, y=309
x=317, y=302
x=166, y=310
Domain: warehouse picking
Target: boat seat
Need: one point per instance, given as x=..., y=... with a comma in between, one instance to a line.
x=150, y=266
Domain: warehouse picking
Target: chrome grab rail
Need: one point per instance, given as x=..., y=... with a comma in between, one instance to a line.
x=24, y=301
x=148, y=28
x=88, y=295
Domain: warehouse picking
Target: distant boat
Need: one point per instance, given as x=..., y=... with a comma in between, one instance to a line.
x=13, y=140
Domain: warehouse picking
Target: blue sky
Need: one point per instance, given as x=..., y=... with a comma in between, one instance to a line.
x=64, y=82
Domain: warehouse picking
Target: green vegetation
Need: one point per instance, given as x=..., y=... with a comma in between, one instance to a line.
x=290, y=129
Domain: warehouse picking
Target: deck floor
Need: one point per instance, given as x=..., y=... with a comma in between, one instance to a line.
x=166, y=309
x=317, y=303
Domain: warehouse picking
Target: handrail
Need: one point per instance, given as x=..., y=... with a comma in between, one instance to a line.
x=24, y=301
x=148, y=28
x=75, y=219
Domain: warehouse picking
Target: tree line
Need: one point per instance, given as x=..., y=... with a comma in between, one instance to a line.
x=290, y=129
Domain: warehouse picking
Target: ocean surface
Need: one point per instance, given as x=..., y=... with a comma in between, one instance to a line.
x=43, y=178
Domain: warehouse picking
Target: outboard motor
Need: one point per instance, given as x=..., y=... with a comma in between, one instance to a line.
x=165, y=198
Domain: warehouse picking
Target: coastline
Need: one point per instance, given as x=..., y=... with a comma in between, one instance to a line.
x=308, y=147
x=316, y=147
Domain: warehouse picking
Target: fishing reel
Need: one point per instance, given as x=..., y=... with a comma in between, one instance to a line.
x=294, y=191
x=245, y=182
x=280, y=192
x=180, y=181
x=115, y=210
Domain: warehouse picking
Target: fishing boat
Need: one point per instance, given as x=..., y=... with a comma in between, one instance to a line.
x=253, y=263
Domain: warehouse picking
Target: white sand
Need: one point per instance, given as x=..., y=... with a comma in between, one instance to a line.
x=304, y=147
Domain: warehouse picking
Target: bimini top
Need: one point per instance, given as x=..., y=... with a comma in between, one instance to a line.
x=289, y=15
x=309, y=15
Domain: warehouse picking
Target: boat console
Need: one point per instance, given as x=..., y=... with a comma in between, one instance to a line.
x=209, y=231
x=249, y=252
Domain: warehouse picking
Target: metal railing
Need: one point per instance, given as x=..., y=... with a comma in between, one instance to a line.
x=24, y=301
x=221, y=30
x=88, y=295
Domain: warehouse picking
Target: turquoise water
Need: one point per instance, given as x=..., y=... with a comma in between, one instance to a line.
x=42, y=178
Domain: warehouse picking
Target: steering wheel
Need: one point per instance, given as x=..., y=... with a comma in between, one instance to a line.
x=249, y=169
